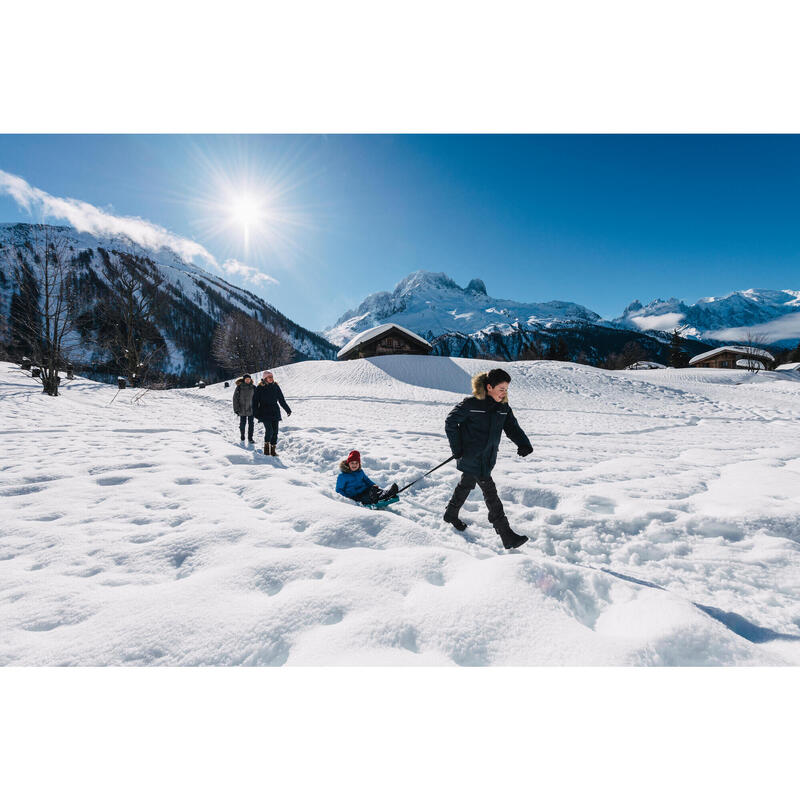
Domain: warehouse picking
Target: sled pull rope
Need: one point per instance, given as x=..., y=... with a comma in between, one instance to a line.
x=399, y=491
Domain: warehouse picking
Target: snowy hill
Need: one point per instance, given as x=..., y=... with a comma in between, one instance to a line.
x=773, y=314
x=661, y=506
x=198, y=300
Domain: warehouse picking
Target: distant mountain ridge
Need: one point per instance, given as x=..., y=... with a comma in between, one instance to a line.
x=198, y=300
x=771, y=313
x=468, y=322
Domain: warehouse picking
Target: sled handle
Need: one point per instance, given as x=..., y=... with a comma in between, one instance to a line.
x=427, y=473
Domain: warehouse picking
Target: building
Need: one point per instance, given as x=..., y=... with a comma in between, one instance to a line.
x=793, y=367
x=734, y=357
x=384, y=340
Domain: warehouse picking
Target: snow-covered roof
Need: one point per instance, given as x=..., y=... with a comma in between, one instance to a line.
x=378, y=330
x=745, y=351
x=750, y=363
x=646, y=365
x=792, y=365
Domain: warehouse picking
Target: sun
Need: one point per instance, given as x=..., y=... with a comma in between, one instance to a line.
x=246, y=211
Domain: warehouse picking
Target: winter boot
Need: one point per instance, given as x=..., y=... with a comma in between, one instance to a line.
x=451, y=516
x=509, y=538
x=389, y=493
x=272, y=450
x=266, y=449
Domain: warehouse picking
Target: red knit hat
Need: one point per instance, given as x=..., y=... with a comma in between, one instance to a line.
x=354, y=455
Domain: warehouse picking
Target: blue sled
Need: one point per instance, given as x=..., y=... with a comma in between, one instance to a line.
x=383, y=503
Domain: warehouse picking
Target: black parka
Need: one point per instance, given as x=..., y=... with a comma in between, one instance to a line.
x=474, y=428
x=266, y=399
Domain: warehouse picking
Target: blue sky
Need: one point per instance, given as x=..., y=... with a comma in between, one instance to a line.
x=599, y=220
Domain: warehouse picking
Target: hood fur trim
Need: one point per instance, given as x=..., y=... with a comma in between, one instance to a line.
x=345, y=467
x=479, y=386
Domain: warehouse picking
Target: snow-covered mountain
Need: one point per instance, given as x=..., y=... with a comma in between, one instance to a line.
x=197, y=300
x=432, y=304
x=771, y=314
x=467, y=322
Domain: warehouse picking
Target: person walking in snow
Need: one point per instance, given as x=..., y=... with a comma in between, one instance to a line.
x=474, y=428
x=354, y=484
x=265, y=406
x=243, y=405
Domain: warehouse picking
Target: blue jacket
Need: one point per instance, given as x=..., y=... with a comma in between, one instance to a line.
x=351, y=484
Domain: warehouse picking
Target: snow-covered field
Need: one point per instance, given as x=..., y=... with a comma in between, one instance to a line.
x=662, y=508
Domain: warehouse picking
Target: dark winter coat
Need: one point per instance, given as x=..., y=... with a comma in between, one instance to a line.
x=266, y=399
x=243, y=398
x=474, y=428
x=351, y=484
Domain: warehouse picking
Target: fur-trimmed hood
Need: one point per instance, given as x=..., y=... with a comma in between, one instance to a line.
x=479, y=386
x=345, y=467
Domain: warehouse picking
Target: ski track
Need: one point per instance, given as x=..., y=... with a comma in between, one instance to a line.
x=662, y=509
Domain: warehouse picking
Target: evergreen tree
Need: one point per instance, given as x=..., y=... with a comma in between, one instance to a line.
x=677, y=355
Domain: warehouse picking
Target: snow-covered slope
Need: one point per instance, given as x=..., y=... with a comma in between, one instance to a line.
x=198, y=299
x=771, y=314
x=662, y=508
x=432, y=304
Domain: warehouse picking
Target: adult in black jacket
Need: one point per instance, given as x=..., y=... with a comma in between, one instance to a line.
x=474, y=428
x=243, y=405
x=265, y=407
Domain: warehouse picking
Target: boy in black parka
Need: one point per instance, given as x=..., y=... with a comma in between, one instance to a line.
x=265, y=407
x=474, y=428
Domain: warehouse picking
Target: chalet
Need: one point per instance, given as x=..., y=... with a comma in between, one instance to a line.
x=734, y=357
x=384, y=340
x=793, y=367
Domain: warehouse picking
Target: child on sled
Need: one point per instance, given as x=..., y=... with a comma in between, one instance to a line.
x=354, y=484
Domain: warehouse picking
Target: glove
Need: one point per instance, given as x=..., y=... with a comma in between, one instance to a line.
x=457, y=455
x=288, y=413
x=524, y=451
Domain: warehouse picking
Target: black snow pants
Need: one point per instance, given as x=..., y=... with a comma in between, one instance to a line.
x=271, y=431
x=249, y=421
x=369, y=496
x=497, y=516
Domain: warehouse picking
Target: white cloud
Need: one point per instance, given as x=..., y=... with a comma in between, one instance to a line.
x=785, y=327
x=658, y=322
x=234, y=267
x=87, y=218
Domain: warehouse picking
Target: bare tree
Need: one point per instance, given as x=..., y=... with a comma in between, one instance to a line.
x=127, y=316
x=755, y=344
x=242, y=344
x=5, y=354
x=43, y=308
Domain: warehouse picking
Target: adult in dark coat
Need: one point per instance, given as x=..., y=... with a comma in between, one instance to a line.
x=243, y=405
x=265, y=406
x=474, y=428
